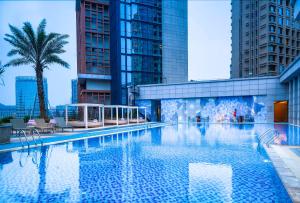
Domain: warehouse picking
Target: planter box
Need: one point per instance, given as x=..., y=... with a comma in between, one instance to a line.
x=5, y=132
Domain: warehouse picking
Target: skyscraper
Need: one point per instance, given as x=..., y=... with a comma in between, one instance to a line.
x=93, y=51
x=27, y=101
x=296, y=6
x=265, y=37
x=148, y=44
x=74, y=97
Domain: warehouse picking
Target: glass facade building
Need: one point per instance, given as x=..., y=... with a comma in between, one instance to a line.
x=147, y=45
x=296, y=6
x=27, y=101
x=136, y=45
x=74, y=97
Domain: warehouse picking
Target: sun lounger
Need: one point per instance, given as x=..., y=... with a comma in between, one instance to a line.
x=61, y=123
x=18, y=125
x=43, y=126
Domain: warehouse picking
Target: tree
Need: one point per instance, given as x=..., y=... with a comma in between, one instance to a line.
x=1, y=74
x=38, y=49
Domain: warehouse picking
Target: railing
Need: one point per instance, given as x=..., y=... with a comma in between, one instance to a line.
x=33, y=133
x=268, y=136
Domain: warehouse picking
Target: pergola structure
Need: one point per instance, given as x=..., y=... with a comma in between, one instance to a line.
x=114, y=118
x=85, y=112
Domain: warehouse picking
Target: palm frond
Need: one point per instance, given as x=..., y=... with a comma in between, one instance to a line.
x=30, y=35
x=17, y=62
x=54, y=59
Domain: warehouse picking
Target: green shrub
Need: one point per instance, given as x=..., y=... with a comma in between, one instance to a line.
x=26, y=119
x=6, y=119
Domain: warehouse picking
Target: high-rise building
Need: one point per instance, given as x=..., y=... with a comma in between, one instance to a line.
x=296, y=6
x=93, y=51
x=27, y=100
x=74, y=97
x=265, y=37
x=148, y=44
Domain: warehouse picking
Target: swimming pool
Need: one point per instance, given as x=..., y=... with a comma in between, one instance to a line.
x=204, y=163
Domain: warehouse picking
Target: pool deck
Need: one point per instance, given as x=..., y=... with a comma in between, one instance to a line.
x=78, y=134
x=286, y=160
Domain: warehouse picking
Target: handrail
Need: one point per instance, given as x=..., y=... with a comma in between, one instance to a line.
x=262, y=137
x=35, y=131
x=19, y=135
x=265, y=133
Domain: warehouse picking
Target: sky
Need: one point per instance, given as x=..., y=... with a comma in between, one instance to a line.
x=209, y=48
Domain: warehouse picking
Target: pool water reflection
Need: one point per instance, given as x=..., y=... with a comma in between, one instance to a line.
x=204, y=163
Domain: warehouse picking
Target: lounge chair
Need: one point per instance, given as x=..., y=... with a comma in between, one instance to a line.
x=42, y=125
x=61, y=123
x=19, y=125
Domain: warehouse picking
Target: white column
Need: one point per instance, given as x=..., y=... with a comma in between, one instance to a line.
x=290, y=101
x=137, y=114
x=99, y=109
x=103, y=116
x=298, y=100
x=66, y=112
x=127, y=115
x=294, y=101
x=111, y=114
x=117, y=115
x=86, y=116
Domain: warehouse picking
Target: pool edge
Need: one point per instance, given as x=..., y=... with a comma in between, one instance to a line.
x=285, y=174
x=79, y=136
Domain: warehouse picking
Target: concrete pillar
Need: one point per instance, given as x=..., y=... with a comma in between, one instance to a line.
x=294, y=101
x=117, y=115
x=66, y=112
x=137, y=114
x=127, y=115
x=86, y=116
x=103, y=116
x=298, y=100
x=290, y=101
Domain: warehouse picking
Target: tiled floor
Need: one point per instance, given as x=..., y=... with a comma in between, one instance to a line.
x=287, y=164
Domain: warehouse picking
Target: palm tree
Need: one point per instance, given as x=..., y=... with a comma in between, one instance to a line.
x=1, y=74
x=38, y=49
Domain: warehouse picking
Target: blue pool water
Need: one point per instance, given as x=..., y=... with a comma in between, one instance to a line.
x=206, y=163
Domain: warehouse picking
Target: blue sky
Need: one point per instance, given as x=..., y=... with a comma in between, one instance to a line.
x=209, y=42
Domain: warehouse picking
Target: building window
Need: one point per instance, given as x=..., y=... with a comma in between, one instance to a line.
x=272, y=9
x=128, y=46
x=279, y=2
x=272, y=38
x=279, y=31
x=280, y=12
x=123, y=62
x=128, y=12
x=122, y=28
x=272, y=19
x=287, y=22
x=123, y=49
x=271, y=58
x=287, y=12
x=271, y=48
x=129, y=62
x=272, y=28
x=122, y=11
x=280, y=21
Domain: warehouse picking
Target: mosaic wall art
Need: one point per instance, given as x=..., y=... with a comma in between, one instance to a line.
x=220, y=109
